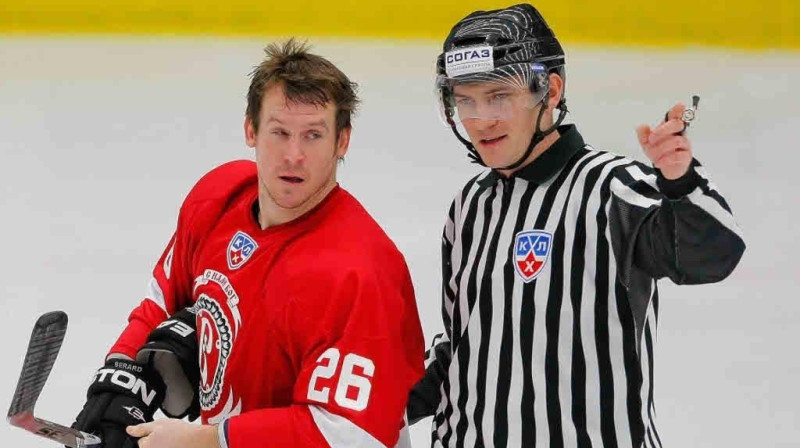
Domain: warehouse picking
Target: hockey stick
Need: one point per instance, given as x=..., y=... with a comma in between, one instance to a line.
x=46, y=338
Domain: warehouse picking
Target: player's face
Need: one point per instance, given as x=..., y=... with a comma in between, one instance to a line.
x=296, y=150
x=501, y=140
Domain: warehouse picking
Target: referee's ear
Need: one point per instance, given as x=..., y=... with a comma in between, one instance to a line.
x=556, y=90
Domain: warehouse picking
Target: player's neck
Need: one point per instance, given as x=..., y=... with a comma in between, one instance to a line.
x=271, y=214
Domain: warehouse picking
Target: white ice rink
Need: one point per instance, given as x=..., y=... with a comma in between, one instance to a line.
x=100, y=140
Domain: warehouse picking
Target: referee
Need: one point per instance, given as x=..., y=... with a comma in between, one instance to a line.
x=550, y=258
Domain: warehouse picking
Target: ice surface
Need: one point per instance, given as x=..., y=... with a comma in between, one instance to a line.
x=101, y=138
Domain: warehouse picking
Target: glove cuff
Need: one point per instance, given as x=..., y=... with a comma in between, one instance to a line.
x=171, y=350
x=130, y=379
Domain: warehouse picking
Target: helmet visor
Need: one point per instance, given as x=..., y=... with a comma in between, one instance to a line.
x=498, y=94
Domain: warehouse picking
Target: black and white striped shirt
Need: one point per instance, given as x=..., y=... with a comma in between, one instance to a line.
x=554, y=347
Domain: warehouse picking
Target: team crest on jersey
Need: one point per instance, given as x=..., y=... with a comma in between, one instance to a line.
x=219, y=322
x=214, y=346
x=531, y=251
x=240, y=250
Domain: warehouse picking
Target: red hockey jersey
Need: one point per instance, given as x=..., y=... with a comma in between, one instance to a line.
x=308, y=331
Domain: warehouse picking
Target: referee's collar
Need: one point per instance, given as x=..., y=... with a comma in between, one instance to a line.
x=549, y=162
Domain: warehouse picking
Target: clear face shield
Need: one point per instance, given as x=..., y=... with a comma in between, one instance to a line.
x=497, y=94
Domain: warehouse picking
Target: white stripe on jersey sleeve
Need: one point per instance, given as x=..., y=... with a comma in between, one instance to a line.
x=155, y=294
x=704, y=174
x=638, y=174
x=712, y=207
x=405, y=438
x=222, y=434
x=625, y=193
x=340, y=432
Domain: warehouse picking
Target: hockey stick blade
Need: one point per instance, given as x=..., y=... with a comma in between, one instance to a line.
x=53, y=431
x=46, y=339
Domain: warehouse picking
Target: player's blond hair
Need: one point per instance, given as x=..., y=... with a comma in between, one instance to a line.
x=306, y=78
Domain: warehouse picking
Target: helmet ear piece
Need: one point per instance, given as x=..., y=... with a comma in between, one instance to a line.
x=448, y=102
x=542, y=81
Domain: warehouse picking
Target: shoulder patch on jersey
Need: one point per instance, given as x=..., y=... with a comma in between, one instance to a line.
x=531, y=252
x=240, y=249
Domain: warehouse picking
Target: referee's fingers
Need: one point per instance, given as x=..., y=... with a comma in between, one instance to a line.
x=670, y=145
x=664, y=130
x=675, y=111
x=643, y=133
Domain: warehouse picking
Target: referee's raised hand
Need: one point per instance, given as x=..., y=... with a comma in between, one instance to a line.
x=666, y=146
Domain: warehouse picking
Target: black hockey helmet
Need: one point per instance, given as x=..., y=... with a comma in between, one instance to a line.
x=517, y=34
x=511, y=45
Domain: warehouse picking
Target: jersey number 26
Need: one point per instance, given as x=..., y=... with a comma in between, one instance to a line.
x=328, y=365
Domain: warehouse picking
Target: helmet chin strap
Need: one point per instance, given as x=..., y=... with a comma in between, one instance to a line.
x=538, y=136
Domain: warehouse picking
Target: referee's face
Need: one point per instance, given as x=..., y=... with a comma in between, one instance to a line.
x=500, y=139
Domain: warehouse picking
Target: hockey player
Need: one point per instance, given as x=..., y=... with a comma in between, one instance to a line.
x=294, y=319
x=551, y=256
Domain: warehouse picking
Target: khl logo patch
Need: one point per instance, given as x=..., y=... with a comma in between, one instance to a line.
x=240, y=250
x=531, y=251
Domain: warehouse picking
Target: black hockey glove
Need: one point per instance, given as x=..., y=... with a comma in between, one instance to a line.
x=424, y=397
x=123, y=393
x=171, y=350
